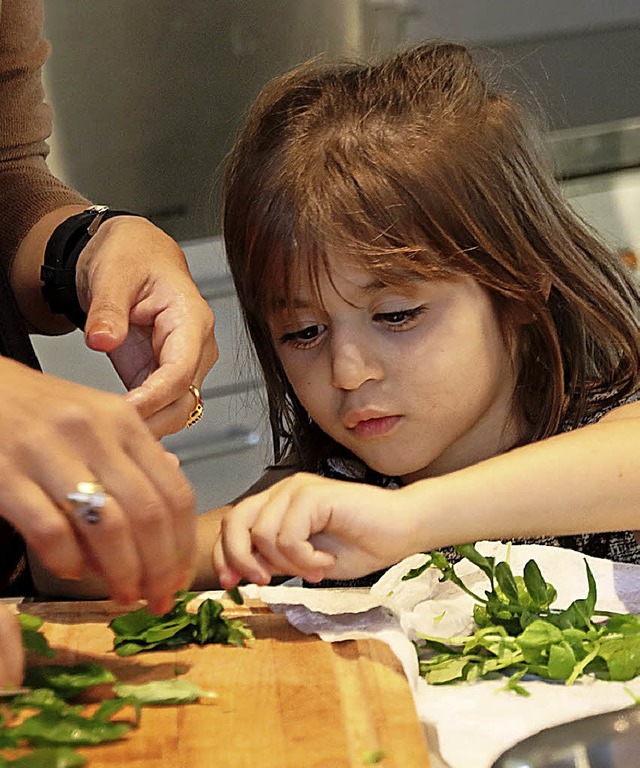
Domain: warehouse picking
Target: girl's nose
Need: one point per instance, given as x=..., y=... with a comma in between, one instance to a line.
x=352, y=364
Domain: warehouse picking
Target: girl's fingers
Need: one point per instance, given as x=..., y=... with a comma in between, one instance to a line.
x=266, y=528
x=305, y=517
x=234, y=552
x=256, y=542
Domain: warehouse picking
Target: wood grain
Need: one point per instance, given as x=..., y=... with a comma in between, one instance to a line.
x=289, y=701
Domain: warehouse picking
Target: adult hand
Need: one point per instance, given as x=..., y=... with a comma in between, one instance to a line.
x=145, y=311
x=11, y=650
x=56, y=434
x=316, y=528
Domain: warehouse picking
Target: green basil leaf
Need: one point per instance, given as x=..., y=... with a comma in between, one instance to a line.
x=536, y=585
x=49, y=728
x=561, y=661
x=413, y=573
x=485, y=564
x=67, y=681
x=32, y=638
x=48, y=757
x=507, y=582
x=446, y=671
x=235, y=595
x=163, y=692
x=110, y=707
x=43, y=698
x=132, y=624
x=142, y=631
x=622, y=656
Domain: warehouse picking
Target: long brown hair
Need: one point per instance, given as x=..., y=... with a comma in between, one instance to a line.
x=416, y=166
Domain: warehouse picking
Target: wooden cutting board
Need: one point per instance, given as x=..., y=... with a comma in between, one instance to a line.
x=289, y=701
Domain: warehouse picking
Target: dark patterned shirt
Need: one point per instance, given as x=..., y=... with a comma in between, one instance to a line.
x=620, y=546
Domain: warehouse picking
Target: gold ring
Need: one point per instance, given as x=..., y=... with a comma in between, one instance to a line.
x=198, y=411
x=87, y=500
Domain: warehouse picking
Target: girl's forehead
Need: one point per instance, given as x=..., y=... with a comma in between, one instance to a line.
x=338, y=276
x=358, y=287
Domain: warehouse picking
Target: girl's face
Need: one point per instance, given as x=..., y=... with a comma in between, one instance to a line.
x=416, y=381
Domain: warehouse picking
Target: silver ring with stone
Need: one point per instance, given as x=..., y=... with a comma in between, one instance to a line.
x=87, y=501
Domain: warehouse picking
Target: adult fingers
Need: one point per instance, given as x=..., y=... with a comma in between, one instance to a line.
x=181, y=414
x=159, y=505
x=107, y=324
x=39, y=520
x=184, y=348
x=147, y=528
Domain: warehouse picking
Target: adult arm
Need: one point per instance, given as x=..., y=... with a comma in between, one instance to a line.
x=144, y=309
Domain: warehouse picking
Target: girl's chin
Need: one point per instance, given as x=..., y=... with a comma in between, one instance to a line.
x=406, y=473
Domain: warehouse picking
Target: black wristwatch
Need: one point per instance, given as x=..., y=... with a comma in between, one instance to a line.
x=58, y=273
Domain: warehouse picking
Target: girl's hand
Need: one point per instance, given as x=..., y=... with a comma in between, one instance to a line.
x=316, y=528
x=11, y=650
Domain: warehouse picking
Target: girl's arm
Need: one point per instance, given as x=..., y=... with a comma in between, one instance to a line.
x=585, y=481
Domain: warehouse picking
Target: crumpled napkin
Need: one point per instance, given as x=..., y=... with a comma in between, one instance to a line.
x=469, y=724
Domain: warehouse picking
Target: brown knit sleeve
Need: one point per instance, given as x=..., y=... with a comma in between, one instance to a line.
x=27, y=189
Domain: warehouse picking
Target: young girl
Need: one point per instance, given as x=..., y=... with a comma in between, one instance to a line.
x=435, y=325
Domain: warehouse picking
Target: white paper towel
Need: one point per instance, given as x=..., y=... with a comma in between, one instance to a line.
x=472, y=723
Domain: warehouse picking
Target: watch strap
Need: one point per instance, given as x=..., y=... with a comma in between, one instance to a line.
x=58, y=273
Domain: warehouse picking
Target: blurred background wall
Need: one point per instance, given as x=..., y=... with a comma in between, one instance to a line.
x=148, y=93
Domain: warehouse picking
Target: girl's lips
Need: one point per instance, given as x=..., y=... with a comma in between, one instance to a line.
x=375, y=427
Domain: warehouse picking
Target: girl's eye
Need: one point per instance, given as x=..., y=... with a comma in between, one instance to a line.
x=399, y=319
x=305, y=337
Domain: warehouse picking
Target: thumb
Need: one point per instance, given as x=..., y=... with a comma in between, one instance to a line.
x=107, y=323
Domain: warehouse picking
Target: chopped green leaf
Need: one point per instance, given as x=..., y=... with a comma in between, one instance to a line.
x=67, y=681
x=142, y=631
x=163, y=692
x=50, y=728
x=235, y=595
x=47, y=757
x=518, y=632
x=32, y=638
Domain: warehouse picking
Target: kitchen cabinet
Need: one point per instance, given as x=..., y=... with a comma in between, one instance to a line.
x=610, y=202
